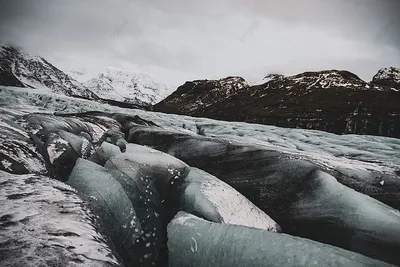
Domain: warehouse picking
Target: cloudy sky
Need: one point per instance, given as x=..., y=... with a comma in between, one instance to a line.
x=178, y=40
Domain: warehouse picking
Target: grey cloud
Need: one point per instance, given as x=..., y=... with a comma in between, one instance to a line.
x=181, y=39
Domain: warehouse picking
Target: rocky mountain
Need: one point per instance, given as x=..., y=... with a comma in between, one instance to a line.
x=23, y=70
x=201, y=94
x=138, y=88
x=388, y=77
x=333, y=100
x=273, y=76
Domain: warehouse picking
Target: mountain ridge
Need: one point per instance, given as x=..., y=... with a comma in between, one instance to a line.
x=22, y=70
x=130, y=89
x=336, y=101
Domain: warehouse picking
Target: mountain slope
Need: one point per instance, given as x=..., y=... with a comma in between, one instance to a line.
x=137, y=88
x=389, y=77
x=332, y=100
x=23, y=70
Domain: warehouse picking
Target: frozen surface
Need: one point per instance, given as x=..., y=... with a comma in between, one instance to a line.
x=44, y=223
x=104, y=153
x=216, y=201
x=376, y=226
x=196, y=242
x=368, y=160
x=352, y=155
x=147, y=177
x=17, y=153
x=109, y=201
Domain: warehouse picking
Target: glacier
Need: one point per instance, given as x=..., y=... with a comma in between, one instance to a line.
x=196, y=242
x=334, y=196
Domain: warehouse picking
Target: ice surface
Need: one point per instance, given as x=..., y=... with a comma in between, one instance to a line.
x=146, y=164
x=375, y=225
x=214, y=200
x=44, y=223
x=360, y=154
x=110, y=202
x=17, y=153
x=364, y=160
x=147, y=177
x=104, y=153
x=196, y=242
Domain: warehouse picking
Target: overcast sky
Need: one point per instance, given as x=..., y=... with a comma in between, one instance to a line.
x=179, y=40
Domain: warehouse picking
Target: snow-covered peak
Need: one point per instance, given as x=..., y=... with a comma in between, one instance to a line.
x=233, y=80
x=386, y=73
x=25, y=70
x=224, y=87
x=128, y=86
x=388, y=77
x=329, y=79
x=272, y=76
x=80, y=75
x=203, y=93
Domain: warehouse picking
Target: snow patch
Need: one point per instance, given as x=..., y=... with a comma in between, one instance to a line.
x=54, y=151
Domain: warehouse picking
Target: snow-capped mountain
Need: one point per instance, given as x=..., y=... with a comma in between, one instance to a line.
x=333, y=100
x=389, y=77
x=81, y=76
x=138, y=88
x=23, y=70
x=204, y=93
x=114, y=86
x=273, y=76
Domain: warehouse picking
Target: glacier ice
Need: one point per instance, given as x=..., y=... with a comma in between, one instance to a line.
x=212, y=199
x=196, y=242
x=300, y=178
x=104, y=152
x=108, y=200
x=148, y=177
x=45, y=223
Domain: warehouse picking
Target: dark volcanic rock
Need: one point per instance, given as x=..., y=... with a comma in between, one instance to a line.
x=333, y=101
